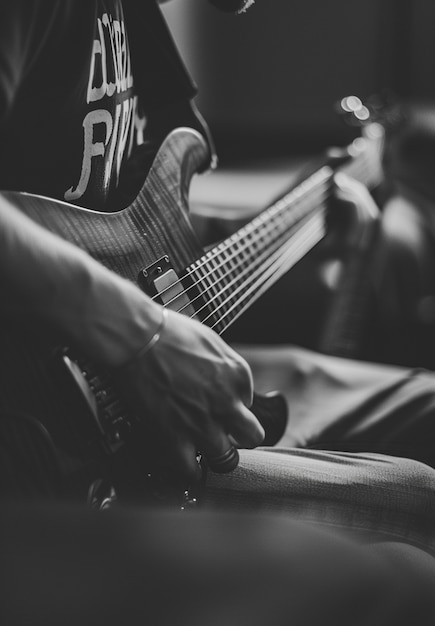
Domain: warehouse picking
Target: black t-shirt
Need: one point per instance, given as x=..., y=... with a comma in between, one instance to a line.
x=74, y=120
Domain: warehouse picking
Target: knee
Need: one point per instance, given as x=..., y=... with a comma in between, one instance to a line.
x=411, y=482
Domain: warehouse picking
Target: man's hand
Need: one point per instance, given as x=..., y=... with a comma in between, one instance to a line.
x=354, y=208
x=191, y=388
x=193, y=391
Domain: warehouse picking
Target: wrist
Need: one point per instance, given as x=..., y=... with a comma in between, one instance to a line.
x=149, y=342
x=118, y=320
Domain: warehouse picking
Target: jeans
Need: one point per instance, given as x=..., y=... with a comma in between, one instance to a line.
x=356, y=454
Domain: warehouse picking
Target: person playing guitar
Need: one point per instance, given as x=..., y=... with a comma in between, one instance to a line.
x=89, y=93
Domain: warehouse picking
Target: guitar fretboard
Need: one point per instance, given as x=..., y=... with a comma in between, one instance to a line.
x=232, y=275
x=225, y=281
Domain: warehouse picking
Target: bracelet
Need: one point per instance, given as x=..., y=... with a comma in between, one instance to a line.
x=154, y=339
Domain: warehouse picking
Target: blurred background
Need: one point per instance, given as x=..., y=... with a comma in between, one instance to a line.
x=268, y=79
x=268, y=82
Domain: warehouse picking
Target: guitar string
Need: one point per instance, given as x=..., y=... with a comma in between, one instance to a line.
x=292, y=256
x=275, y=265
x=270, y=273
x=257, y=288
x=236, y=244
x=302, y=242
x=235, y=269
x=361, y=165
x=240, y=246
x=307, y=235
x=240, y=275
x=263, y=220
x=260, y=261
x=360, y=169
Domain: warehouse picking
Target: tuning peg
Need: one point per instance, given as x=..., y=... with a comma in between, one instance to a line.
x=353, y=111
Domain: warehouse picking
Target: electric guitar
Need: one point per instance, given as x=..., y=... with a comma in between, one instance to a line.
x=73, y=404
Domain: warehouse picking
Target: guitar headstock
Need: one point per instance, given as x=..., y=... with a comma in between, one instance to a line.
x=382, y=109
x=373, y=121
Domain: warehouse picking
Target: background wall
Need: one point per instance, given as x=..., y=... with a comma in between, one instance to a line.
x=269, y=79
x=268, y=83
x=416, y=70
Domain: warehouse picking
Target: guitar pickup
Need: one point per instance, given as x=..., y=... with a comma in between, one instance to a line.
x=152, y=273
x=160, y=279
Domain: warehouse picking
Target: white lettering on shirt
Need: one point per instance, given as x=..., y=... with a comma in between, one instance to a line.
x=110, y=76
x=91, y=149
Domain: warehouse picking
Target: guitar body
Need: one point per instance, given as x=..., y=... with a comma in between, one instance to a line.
x=155, y=223
x=35, y=379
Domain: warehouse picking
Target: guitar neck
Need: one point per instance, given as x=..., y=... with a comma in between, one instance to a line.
x=237, y=271
x=220, y=285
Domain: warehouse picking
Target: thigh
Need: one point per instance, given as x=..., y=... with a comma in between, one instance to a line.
x=367, y=495
x=340, y=404
x=68, y=565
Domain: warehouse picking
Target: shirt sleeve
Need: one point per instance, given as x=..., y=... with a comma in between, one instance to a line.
x=16, y=25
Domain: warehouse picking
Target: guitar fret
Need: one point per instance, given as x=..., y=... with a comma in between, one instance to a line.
x=242, y=281
x=231, y=261
x=320, y=203
x=238, y=302
x=295, y=200
x=207, y=274
x=231, y=264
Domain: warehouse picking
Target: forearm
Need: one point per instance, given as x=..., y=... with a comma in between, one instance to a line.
x=42, y=275
x=192, y=388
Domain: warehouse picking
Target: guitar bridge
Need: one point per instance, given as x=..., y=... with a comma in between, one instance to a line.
x=107, y=411
x=137, y=479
